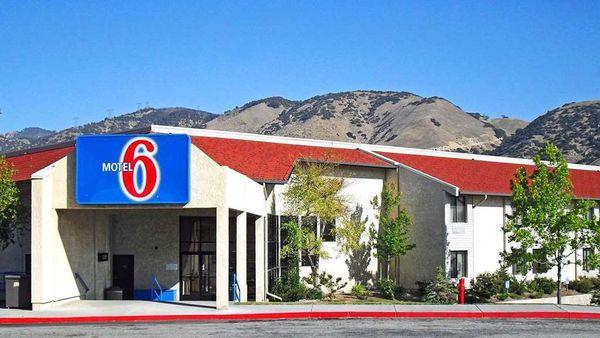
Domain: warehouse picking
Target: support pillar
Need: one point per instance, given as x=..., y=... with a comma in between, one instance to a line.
x=222, y=258
x=260, y=258
x=241, y=242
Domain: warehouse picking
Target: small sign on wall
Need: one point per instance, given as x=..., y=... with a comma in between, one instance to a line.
x=102, y=256
x=172, y=267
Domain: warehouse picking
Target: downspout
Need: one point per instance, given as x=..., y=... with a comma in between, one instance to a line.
x=485, y=197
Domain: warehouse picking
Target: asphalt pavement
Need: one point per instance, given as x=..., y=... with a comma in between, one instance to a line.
x=322, y=328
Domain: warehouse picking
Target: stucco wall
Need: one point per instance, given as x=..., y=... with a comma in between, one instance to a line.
x=424, y=199
x=362, y=184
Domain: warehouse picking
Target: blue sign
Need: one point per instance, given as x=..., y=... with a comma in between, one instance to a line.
x=132, y=169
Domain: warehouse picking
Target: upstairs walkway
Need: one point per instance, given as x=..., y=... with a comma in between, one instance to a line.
x=142, y=311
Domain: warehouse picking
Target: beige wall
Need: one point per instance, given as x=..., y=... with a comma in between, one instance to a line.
x=65, y=241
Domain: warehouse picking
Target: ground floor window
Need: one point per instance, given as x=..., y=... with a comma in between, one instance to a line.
x=309, y=222
x=587, y=252
x=540, y=266
x=519, y=269
x=327, y=230
x=458, y=264
x=273, y=248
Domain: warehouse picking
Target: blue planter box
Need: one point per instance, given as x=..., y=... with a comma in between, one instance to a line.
x=147, y=294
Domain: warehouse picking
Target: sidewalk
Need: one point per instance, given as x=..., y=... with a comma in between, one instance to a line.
x=140, y=311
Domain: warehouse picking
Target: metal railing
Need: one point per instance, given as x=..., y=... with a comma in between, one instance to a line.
x=156, y=291
x=79, y=279
x=235, y=290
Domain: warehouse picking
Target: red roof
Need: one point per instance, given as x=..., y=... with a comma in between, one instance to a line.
x=273, y=162
x=487, y=177
x=27, y=164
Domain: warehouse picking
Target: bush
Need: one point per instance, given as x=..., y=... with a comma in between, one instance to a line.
x=441, y=290
x=332, y=285
x=360, y=291
x=387, y=287
x=312, y=293
x=289, y=287
x=543, y=285
x=585, y=284
x=486, y=285
x=596, y=297
x=502, y=296
x=517, y=287
x=536, y=295
x=422, y=286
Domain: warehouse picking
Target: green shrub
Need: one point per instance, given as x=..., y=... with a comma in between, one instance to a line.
x=400, y=292
x=360, y=291
x=596, y=297
x=517, y=287
x=543, y=285
x=332, y=285
x=441, y=290
x=422, y=286
x=387, y=287
x=485, y=286
x=582, y=284
x=289, y=287
x=536, y=295
x=502, y=296
x=312, y=293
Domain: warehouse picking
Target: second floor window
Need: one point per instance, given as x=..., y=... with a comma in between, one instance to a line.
x=458, y=209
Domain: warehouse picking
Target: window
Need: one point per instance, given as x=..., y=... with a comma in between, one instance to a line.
x=458, y=209
x=273, y=249
x=587, y=252
x=458, y=264
x=540, y=266
x=328, y=231
x=519, y=269
x=309, y=222
x=286, y=262
x=590, y=214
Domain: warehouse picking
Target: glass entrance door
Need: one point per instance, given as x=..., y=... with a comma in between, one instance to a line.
x=198, y=276
x=198, y=259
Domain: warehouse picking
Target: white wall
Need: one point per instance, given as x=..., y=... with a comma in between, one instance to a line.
x=362, y=184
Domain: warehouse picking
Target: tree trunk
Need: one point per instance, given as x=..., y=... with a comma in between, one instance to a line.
x=559, y=266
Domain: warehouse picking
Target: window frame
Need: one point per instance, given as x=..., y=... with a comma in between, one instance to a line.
x=454, y=271
x=586, y=252
x=455, y=202
x=539, y=268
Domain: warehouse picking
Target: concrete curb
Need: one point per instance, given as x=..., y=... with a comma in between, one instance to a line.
x=303, y=315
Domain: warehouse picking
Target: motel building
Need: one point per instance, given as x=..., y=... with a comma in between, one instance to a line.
x=195, y=210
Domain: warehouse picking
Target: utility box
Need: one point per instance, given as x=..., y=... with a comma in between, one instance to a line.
x=17, y=291
x=114, y=293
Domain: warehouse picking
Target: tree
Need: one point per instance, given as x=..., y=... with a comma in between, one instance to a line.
x=547, y=225
x=393, y=238
x=313, y=190
x=9, y=204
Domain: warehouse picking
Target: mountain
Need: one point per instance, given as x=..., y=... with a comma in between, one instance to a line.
x=36, y=137
x=362, y=116
x=390, y=118
x=250, y=117
x=574, y=128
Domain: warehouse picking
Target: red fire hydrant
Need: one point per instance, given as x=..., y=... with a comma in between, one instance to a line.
x=461, y=291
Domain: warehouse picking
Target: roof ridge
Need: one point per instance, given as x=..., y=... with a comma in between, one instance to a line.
x=350, y=145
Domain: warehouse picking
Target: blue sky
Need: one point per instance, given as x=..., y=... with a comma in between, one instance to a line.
x=62, y=60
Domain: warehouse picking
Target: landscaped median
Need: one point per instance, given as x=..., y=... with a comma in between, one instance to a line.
x=161, y=312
